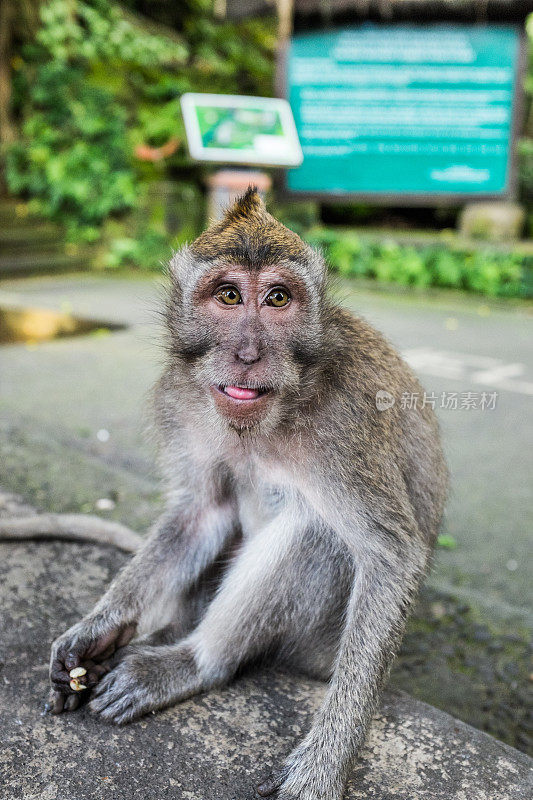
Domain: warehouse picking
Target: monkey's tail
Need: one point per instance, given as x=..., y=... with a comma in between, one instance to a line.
x=70, y=527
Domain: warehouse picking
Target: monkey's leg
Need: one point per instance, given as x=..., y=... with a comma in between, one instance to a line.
x=250, y=612
x=180, y=547
x=191, y=606
x=385, y=585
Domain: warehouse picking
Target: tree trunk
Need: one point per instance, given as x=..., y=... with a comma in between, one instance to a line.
x=7, y=15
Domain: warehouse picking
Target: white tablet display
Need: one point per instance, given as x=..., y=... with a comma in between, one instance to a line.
x=241, y=130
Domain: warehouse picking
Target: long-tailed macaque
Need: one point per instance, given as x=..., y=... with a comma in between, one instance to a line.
x=300, y=517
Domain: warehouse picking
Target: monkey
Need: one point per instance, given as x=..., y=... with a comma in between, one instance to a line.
x=299, y=519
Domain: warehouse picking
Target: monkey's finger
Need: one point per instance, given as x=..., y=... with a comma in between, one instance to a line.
x=96, y=672
x=61, y=686
x=72, y=660
x=59, y=677
x=72, y=702
x=56, y=701
x=101, y=669
x=271, y=785
x=103, y=689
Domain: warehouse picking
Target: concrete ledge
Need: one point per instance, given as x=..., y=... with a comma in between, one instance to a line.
x=214, y=747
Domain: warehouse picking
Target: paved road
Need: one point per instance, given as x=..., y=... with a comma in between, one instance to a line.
x=58, y=400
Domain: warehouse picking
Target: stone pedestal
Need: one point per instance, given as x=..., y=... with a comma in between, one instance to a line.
x=493, y=221
x=226, y=185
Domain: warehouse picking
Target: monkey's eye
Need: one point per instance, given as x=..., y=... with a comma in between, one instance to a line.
x=278, y=297
x=228, y=295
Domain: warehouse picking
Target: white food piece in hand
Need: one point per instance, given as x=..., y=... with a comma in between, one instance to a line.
x=76, y=686
x=77, y=672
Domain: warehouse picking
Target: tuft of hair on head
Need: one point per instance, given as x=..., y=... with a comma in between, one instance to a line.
x=249, y=235
x=249, y=205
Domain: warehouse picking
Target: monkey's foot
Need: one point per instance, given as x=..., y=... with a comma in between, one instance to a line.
x=146, y=679
x=278, y=788
x=303, y=777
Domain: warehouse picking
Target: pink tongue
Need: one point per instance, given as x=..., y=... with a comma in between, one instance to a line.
x=239, y=393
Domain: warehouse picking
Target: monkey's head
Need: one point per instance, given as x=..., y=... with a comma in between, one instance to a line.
x=245, y=314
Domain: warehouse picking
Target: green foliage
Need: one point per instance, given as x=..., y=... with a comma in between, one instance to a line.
x=148, y=248
x=98, y=30
x=72, y=156
x=485, y=271
x=99, y=82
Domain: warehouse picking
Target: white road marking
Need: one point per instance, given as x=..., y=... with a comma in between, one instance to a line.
x=482, y=370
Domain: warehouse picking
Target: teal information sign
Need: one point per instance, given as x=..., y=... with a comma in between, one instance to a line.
x=404, y=109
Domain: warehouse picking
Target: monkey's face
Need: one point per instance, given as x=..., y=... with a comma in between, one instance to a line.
x=256, y=335
x=245, y=316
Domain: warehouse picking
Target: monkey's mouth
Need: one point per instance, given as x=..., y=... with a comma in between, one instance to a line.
x=243, y=393
x=242, y=405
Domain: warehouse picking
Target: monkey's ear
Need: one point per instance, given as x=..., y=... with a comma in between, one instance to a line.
x=249, y=205
x=183, y=266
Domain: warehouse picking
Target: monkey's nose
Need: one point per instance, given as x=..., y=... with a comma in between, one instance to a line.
x=248, y=355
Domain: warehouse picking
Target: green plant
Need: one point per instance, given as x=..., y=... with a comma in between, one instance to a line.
x=446, y=268
x=97, y=100
x=344, y=252
x=485, y=271
x=148, y=249
x=72, y=158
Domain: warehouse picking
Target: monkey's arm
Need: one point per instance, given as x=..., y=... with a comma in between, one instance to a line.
x=182, y=544
x=385, y=585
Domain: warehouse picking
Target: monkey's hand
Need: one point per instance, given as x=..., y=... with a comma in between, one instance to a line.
x=88, y=644
x=145, y=679
x=304, y=776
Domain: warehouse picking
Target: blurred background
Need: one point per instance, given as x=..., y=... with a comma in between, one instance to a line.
x=97, y=189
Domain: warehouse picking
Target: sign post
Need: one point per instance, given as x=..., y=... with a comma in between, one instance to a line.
x=239, y=130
